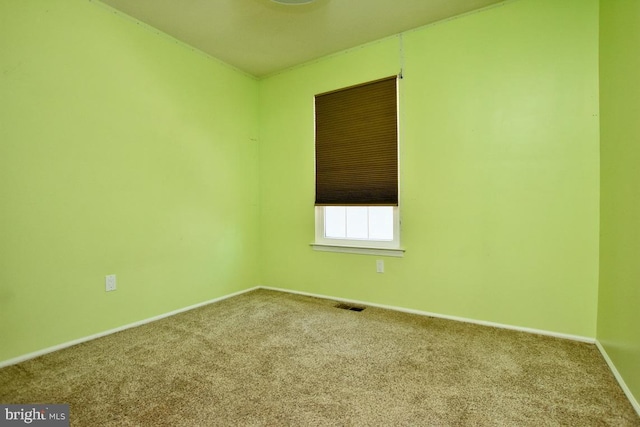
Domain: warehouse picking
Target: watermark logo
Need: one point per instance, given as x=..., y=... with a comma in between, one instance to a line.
x=34, y=415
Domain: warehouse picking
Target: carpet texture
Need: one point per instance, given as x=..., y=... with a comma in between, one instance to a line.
x=268, y=358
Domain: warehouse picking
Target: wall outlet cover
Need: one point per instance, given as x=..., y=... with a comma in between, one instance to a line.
x=110, y=282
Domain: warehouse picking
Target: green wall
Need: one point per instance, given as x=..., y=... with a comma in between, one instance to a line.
x=619, y=297
x=121, y=152
x=499, y=169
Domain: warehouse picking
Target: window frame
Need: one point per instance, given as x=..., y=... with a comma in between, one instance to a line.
x=361, y=243
x=389, y=248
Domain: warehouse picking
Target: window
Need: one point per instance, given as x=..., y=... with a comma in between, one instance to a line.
x=358, y=227
x=357, y=167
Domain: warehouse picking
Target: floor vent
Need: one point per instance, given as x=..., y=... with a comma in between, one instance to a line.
x=349, y=307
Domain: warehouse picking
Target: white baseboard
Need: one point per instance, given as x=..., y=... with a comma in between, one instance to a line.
x=442, y=316
x=619, y=378
x=44, y=351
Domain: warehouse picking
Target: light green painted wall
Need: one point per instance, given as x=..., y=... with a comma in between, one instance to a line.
x=499, y=169
x=619, y=297
x=120, y=152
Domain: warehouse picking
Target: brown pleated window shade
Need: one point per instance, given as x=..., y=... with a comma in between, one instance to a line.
x=357, y=145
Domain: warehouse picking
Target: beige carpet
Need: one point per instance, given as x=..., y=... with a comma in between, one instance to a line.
x=268, y=358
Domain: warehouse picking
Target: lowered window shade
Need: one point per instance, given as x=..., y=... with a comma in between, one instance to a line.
x=357, y=145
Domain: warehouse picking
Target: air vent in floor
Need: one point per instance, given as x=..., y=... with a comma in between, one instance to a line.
x=349, y=307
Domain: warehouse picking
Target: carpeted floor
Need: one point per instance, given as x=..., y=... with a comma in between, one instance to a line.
x=267, y=358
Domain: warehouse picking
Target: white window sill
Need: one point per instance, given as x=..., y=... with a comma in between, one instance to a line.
x=358, y=250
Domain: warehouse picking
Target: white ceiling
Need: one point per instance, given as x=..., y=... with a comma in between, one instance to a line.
x=261, y=37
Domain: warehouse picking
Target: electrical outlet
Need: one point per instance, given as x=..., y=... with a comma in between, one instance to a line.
x=379, y=266
x=110, y=282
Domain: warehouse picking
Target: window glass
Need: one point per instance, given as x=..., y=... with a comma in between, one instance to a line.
x=335, y=222
x=357, y=222
x=381, y=223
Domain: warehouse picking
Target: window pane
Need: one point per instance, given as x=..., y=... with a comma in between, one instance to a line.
x=335, y=222
x=381, y=223
x=357, y=223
